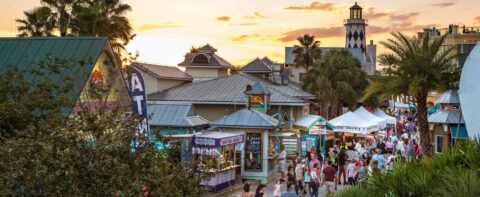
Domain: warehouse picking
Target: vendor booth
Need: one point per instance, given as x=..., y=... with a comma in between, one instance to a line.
x=398, y=105
x=258, y=154
x=352, y=123
x=390, y=120
x=314, y=133
x=260, y=150
x=217, y=151
x=363, y=113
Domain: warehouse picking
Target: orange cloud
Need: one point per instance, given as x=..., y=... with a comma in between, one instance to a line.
x=373, y=14
x=477, y=19
x=405, y=17
x=316, y=5
x=339, y=31
x=256, y=15
x=445, y=4
x=153, y=26
x=244, y=37
x=317, y=32
x=247, y=24
x=223, y=18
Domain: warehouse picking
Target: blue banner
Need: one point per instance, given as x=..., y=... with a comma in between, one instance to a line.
x=139, y=101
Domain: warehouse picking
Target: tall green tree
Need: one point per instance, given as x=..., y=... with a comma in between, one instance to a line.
x=306, y=53
x=38, y=22
x=62, y=9
x=336, y=79
x=104, y=18
x=416, y=66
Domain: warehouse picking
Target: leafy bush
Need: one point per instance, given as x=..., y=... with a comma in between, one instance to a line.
x=454, y=173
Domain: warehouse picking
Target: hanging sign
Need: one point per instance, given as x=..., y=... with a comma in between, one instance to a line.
x=139, y=102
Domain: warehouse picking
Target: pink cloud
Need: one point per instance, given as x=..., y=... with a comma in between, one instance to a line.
x=316, y=5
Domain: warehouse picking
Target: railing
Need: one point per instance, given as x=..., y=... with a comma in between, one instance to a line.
x=355, y=21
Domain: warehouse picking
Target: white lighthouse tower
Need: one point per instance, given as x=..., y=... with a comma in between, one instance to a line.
x=355, y=26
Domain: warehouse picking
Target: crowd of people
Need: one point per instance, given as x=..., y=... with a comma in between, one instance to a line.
x=346, y=164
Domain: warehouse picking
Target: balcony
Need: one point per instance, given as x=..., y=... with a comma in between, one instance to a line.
x=355, y=21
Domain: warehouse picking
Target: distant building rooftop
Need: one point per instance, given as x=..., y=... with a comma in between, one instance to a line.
x=163, y=72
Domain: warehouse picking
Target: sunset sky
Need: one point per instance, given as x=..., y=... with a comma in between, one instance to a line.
x=244, y=29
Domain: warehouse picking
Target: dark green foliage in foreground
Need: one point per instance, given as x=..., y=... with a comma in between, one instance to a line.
x=46, y=153
x=454, y=173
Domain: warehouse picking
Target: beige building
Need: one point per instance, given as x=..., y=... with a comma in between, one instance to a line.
x=204, y=64
x=221, y=96
x=158, y=78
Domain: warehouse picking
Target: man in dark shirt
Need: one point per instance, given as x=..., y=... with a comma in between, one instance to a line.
x=329, y=177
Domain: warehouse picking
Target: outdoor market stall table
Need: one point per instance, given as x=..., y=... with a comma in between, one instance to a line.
x=216, y=145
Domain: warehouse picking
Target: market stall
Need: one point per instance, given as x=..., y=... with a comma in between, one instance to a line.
x=314, y=133
x=363, y=113
x=217, y=151
x=259, y=153
x=352, y=123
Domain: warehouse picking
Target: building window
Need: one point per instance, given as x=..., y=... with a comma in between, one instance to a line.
x=200, y=59
x=439, y=144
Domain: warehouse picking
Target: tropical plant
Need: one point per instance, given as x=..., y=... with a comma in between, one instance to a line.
x=62, y=9
x=307, y=52
x=454, y=173
x=415, y=67
x=81, y=18
x=336, y=79
x=103, y=18
x=38, y=22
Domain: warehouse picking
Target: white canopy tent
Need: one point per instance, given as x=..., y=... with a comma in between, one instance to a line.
x=363, y=113
x=352, y=123
x=398, y=105
x=381, y=114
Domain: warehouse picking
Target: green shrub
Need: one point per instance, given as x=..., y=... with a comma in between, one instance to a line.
x=454, y=173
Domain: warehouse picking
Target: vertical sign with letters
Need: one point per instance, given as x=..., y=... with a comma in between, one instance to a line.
x=139, y=101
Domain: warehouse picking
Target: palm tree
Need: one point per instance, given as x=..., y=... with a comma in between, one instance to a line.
x=104, y=18
x=336, y=79
x=62, y=9
x=416, y=66
x=306, y=53
x=38, y=22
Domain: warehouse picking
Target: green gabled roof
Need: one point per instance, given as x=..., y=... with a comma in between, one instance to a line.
x=26, y=52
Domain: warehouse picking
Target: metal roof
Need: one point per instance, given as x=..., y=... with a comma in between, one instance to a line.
x=446, y=117
x=257, y=66
x=163, y=72
x=246, y=118
x=258, y=88
x=27, y=52
x=449, y=97
x=308, y=121
x=356, y=52
x=174, y=115
x=214, y=61
x=230, y=89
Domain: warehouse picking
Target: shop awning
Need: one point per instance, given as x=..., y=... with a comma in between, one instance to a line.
x=282, y=134
x=350, y=122
x=216, y=139
x=388, y=119
x=363, y=113
x=308, y=121
x=458, y=132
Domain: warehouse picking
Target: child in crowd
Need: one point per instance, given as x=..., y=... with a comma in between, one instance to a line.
x=277, y=192
x=351, y=172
